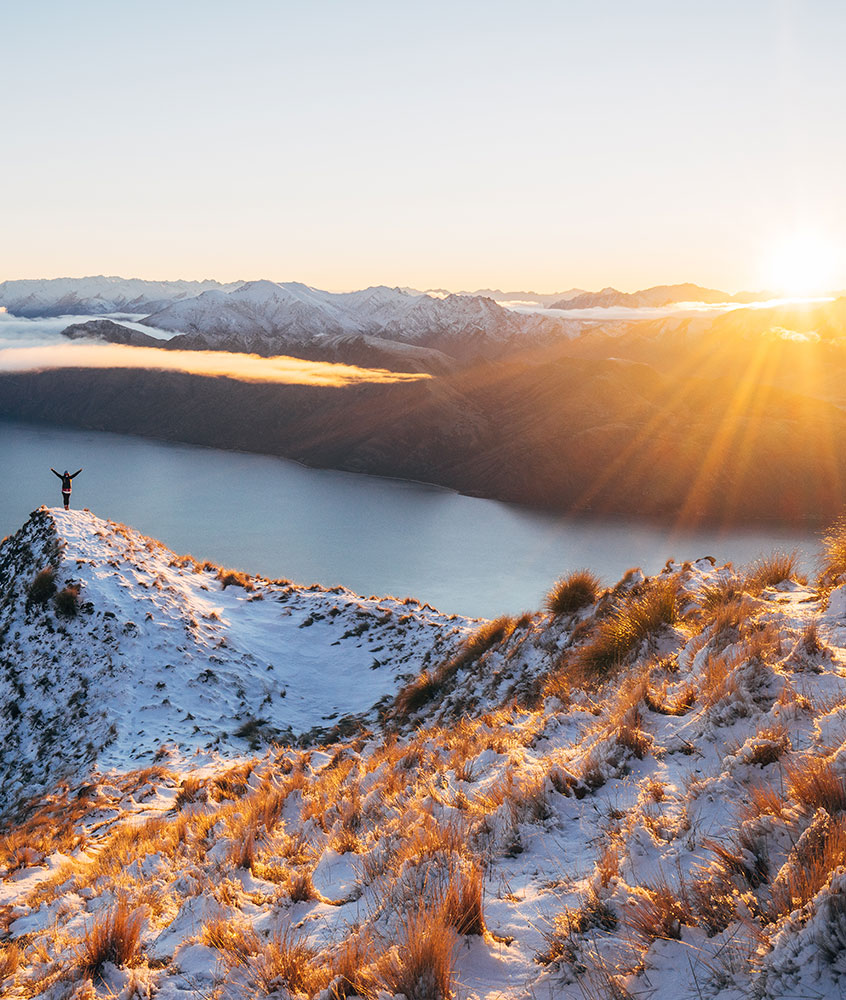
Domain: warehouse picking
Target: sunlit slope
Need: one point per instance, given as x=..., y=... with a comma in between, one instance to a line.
x=716, y=428
x=797, y=346
x=113, y=646
x=637, y=790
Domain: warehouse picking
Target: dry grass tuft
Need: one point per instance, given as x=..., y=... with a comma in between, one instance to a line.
x=815, y=783
x=771, y=744
x=727, y=590
x=631, y=621
x=660, y=911
x=573, y=592
x=115, y=937
x=463, y=907
x=235, y=938
x=764, y=800
x=430, y=683
x=234, y=578
x=66, y=601
x=421, y=966
x=812, y=644
x=833, y=555
x=743, y=856
x=718, y=680
x=769, y=571
x=818, y=852
x=287, y=961
x=561, y=938
x=43, y=586
x=354, y=967
x=10, y=958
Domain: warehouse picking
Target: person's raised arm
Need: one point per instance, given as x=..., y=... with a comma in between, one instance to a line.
x=58, y=473
x=76, y=473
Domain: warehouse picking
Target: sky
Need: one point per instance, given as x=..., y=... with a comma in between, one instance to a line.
x=539, y=145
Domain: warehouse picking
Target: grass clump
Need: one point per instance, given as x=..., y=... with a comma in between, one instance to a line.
x=769, y=571
x=429, y=683
x=43, y=586
x=234, y=578
x=67, y=601
x=113, y=937
x=622, y=632
x=421, y=965
x=815, y=783
x=287, y=961
x=833, y=555
x=572, y=592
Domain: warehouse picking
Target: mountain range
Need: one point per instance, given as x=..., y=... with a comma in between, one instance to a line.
x=96, y=295
x=658, y=295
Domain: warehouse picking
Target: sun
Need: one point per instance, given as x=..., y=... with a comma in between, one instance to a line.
x=803, y=263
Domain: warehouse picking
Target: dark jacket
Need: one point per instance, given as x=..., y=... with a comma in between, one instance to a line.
x=65, y=478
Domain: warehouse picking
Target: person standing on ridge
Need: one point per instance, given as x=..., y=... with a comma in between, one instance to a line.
x=66, y=483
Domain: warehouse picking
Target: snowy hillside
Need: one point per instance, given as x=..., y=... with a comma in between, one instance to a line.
x=638, y=791
x=263, y=314
x=96, y=295
x=163, y=650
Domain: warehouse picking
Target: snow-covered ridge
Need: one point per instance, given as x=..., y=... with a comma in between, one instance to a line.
x=163, y=650
x=260, y=313
x=96, y=295
x=641, y=792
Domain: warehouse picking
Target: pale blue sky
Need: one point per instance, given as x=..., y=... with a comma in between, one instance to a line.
x=343, y=144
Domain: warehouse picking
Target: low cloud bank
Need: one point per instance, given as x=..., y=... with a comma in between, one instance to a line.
x=246, y=367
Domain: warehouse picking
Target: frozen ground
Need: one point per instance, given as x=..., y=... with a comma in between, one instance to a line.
x=528, y=817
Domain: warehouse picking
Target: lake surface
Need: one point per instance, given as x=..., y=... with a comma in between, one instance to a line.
x=377, y=536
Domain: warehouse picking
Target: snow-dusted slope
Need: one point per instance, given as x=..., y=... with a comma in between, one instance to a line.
x=164, y=651
x=96, y=295
x=644, y=796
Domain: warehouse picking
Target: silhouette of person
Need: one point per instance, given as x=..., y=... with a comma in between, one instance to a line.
x=66, y=483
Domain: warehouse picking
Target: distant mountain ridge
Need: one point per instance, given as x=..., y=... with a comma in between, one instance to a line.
x=37, y=297
x=657, y=295
x=270, y=317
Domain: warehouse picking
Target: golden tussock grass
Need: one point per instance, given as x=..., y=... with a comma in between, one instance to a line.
x=661, y=701
x=815, y=858
x=429, y=839
x=428, y=683
x=764, y=800
x=463, y=900
x=592, y=914
x=727, y=620
x=233, y=783
x=659, y=911
x=421, y=965
x=769, y=571
x=764, y=644
x=635, y=617
x=10, y=958
x=718, y=680
x=114, y=936
x=573, y=592
x=742, y=856
x=833, y=554
x=287, y=961
x=234, y=578
x=815, y=783
x=812, y=644
x=773, y=743
x=235, y=938
x=354, y=965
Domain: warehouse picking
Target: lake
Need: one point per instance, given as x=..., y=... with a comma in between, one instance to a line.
x=376, y=536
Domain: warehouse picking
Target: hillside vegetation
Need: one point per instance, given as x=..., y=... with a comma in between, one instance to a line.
x=640, y=790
